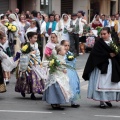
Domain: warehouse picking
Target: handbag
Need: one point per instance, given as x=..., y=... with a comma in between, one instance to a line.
x=2, y=88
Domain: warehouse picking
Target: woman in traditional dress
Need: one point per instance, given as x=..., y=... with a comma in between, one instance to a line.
x=13, y=37
x=96, y=22
x=103, y=71
x=65, y=25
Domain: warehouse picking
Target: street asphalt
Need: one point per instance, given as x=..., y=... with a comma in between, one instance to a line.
x=14, y=107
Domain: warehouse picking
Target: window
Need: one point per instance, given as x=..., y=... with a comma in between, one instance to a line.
x=45, y=6
x=42, y=2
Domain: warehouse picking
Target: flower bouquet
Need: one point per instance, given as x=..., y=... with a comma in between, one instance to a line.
x=114, y=47
x=65, y=30
x=11, y=27
x=53, y=64
x=70, y=57
x=26, y=48
x=99, y=30
x=116, y=50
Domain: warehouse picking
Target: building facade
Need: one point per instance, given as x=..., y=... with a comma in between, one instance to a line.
x=90, y=7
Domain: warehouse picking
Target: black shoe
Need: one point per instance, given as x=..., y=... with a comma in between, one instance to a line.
x=23, y=94
x=102, y=106
x=33, y=96
x=108, y=104
x=56, y=107
x=13, y=70
x=7, y=82
x=75, y=105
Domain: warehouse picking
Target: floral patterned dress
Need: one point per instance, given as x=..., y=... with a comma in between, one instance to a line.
x=28, y=82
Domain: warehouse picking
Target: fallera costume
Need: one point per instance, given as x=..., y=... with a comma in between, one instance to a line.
x=57, y=89
x=103, y=73
x=29, y=79
x=74, y=80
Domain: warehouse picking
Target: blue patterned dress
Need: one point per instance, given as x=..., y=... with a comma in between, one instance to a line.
x=73, y=78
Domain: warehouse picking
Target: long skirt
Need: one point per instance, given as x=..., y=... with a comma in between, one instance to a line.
x=29, y=83
x=54, y=95
x=74, y=82
x=100, y=95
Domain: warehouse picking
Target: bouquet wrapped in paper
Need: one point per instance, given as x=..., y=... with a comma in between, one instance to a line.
x=11, y=27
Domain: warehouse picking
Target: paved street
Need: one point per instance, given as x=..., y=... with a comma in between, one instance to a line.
x=14, y=107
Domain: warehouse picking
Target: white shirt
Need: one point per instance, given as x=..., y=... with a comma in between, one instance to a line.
x=81, y=24
x=112, y=24
x=43, y=26
x=50, y=25
x=103, y=23
x=83, y=21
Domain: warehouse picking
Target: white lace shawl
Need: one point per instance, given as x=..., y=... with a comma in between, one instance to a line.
x=62, y=79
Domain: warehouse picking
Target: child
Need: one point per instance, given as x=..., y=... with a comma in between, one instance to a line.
x=28, y=81
x=5, y=48
x=50, y=46
x=72, y=74
x=57, y=89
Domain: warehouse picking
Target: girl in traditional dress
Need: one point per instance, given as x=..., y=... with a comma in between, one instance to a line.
x=103, y=71
x=72, y=74
x=28, y=80
x=57, y=89
x=50, y=46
